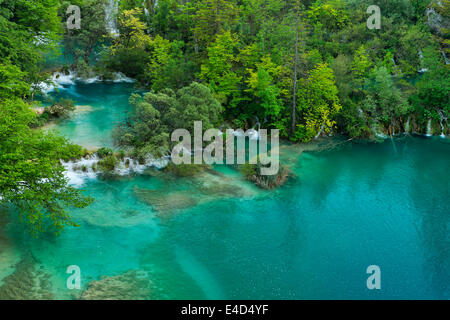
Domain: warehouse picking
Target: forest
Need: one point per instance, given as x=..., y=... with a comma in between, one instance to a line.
x=308, y=68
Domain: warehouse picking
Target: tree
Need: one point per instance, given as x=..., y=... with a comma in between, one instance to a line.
x=361, y=65
x=213, y=17
x=156, y=115
x=318, y=103
x=330, y=14
x=81, y=42
x=434, y=87
x=219, y=69
x=32, y=182
x=27, y=31
x=12, y=82
x=167, y=67
x=384, y=102
x=264, y=90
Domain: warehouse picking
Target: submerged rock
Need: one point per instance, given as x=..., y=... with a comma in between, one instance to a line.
x=131, y=285
x=26, y=283
x=186, y=170
x=164, y=202
x=252, y=173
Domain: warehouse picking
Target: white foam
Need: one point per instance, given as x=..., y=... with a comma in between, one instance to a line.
x=428, y=134
x=80, y=171
x=120, y=77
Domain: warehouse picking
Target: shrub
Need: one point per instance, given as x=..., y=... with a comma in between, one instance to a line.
x=107, y=164
x=104, y=152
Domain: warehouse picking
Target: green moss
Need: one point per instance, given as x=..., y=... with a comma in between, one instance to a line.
x=186, y=170
x=108, y=163
x=104, y=152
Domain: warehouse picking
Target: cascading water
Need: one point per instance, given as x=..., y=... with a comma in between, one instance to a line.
x=111, y=10
x=441, y=122
x=80, y=171
x=421, y=62
x=253, y=134
x=59, y=80
x=445, y=57
x=144, y=5
x=407, y=125
x=320, y=131
x=429, y=128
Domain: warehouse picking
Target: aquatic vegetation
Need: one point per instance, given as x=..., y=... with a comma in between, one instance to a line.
x=104, y=152
x=160, y=231
x=252, y=173
x=164, y=202
x=186, y=170
x=27, y=282
x=132, y=284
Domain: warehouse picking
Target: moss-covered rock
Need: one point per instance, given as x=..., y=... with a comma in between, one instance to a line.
x=131, y=285
x=186, y=170
x=252, y=172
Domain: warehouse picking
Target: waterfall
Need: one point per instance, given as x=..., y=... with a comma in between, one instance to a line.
x=111, y=10
x=445, y=56
x=79, y=171
x=320, y=131
x=252, y=133
x=60, y=80
x=421, y=62
x=146, y=12
x=407, y=125
x=442, y=118
x=429, y=128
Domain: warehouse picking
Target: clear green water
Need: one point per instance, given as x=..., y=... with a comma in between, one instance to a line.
x=219, y=237
x=104, y=106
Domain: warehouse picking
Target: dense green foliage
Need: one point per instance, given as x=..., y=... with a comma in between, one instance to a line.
x=32, y=183
x=305, y=67
x=156, y=115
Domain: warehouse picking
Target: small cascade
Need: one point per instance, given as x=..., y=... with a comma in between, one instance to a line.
x=111, y=11
x=422, y=70
x=79, y=171
x=237, y=133
x=378, y=133
x=428, y=134
x=441, y=122
x=252, y=133
x=59, y=80
x=445, y=57
x=120, y=77
x=146, y=12
x=320, y=132
x=407, y=125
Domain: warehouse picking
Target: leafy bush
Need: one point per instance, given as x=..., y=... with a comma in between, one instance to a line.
x=60, y=109
x=108, y=164
x=104, y=152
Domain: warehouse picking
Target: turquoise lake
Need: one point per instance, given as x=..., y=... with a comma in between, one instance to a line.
x=217, y=236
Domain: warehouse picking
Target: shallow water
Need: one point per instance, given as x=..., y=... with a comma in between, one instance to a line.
x=103, y=106
x=219, y=237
